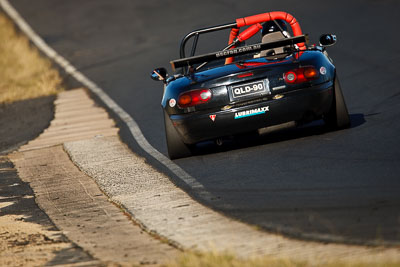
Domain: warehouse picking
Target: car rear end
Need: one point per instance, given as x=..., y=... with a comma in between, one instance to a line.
x=244, y=97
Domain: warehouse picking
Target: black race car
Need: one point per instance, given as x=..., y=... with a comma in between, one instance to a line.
x=276, y=82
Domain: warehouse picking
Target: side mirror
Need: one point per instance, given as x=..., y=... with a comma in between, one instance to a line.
x=159, y=74
x=327, y=39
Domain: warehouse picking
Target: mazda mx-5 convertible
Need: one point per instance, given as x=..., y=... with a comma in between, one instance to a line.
x=275, y=82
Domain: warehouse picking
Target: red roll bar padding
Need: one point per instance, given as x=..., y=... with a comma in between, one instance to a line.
x=232, y=36
x=249, y=32
x=243, y=37
x=271, y=16
x=234, y=33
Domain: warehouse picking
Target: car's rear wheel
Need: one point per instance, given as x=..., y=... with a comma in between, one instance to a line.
x=338, y=116
x=176, y=147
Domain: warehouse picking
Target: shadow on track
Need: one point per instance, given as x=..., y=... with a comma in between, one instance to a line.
x=254, y=139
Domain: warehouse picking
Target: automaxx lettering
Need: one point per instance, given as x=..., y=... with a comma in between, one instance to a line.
x=251, y=112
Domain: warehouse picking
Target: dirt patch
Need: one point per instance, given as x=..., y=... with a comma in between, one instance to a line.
x=27, y=236
x=25, y=244
x=23, y=121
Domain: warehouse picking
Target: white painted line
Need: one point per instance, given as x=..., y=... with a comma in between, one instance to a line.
x=93, y=87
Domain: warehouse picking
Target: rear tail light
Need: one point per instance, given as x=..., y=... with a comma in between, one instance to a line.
x=300, y=75
x=194, y=98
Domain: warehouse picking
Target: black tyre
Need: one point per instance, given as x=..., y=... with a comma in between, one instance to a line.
x=338, y=116
x=176, y=148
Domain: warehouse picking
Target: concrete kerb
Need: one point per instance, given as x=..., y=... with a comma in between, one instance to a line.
x=72, y=200
x=162, y=208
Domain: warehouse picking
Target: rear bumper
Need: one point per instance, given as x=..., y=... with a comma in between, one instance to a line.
x=310, y=103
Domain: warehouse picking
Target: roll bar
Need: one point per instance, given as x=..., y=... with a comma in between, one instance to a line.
x=255, y=23
x=189, y=61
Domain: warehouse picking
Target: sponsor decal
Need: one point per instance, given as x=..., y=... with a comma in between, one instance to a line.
x=238, y=50
x=172, y=102
x=322, y=70
x=212, y=117
x=278, y=96
x=251, y=112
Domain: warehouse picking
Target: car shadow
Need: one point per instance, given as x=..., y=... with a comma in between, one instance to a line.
x=357, y=120
x=254, y=139
x=312, y=189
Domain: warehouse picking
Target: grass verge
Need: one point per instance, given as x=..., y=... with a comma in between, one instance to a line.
x=215, y=259
x=24, y=74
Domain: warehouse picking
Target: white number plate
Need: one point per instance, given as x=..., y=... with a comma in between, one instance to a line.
x=254, y=88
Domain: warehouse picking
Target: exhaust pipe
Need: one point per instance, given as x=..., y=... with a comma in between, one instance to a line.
x=279, y=127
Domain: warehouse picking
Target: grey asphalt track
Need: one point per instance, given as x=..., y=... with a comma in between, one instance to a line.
x=306, y=183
